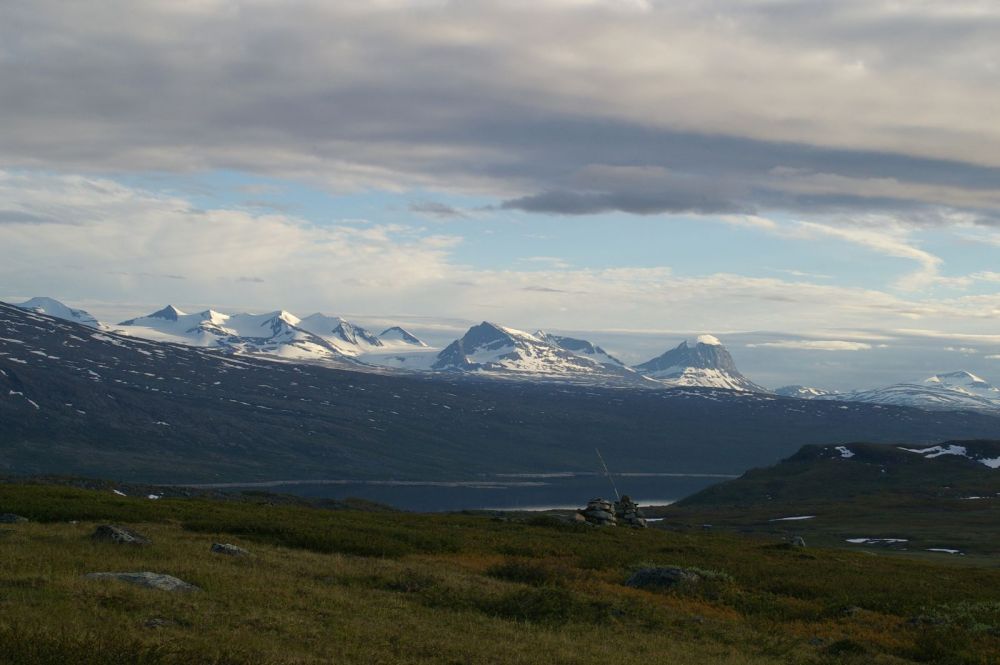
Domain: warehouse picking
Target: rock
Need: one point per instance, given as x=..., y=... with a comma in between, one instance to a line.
x=798, y=542
x=158, y=622
x=662, y=578
x=110, y=533
x=11, y=518
x=147, y=580
x=229, y=550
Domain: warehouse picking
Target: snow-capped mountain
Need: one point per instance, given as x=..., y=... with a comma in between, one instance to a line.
x=172, y=325
x=274, y=333
x=803, y=392
x=706, y=363
x=966, y=382
x=489, y=348
x=952, y=390
x=395, y=336
x=580, y=347
x=352, y=339
x=317, y=337
x=53, y=307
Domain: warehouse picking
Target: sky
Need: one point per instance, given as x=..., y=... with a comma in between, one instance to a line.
x=816, y=183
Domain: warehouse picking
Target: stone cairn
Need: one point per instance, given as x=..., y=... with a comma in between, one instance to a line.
x=628, y=513
x=601, y=512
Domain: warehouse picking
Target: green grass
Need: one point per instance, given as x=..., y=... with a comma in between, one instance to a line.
x=351, y=587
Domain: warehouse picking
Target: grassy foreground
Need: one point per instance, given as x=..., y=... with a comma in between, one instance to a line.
x=364, y=587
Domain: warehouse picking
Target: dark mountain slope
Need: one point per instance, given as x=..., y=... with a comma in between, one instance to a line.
x=74, y=400
x=910, y=497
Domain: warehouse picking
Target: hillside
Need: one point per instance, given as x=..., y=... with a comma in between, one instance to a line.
x=339, y=586
x=77, y=401
x=914, y=498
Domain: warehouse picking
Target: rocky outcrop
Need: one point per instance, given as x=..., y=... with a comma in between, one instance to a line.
x=147, y=580
x=110, y=533
x=229, y=550
x=11, y=518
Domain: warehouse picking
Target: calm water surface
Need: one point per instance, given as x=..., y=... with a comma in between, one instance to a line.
x=501, y=492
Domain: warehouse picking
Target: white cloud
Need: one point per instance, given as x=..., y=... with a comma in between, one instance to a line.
x=815, y=345
x=85, y=238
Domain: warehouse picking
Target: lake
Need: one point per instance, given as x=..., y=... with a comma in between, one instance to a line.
x=498, y=492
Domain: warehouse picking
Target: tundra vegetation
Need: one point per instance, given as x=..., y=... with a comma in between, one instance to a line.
x=352, y=586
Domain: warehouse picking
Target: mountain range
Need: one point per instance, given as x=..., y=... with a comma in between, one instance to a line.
x=491, y=350
x=78, y=400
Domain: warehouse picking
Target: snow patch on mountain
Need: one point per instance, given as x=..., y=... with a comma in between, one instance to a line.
x=803, y=392
x=953, y=449
x=53, y=307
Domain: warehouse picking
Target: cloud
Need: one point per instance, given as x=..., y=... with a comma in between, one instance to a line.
x=435, y=209
x=814, y=345
x=110, y=238
x=548, y=106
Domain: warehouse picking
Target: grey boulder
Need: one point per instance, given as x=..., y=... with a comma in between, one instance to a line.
x=229, y=550
x=110, y=533
x=11, y=518
x=147, y=580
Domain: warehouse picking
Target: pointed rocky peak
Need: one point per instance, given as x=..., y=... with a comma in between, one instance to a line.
x=211, y=316
x=168, y=313
x=398, y=334
x=705, y=362
x=706, y=352
x=355, y=334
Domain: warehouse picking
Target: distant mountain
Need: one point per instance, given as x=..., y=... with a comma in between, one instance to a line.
x=396, y=335
x=953, y=390
x=706, y=363
x=74, y=400
x=275, y=333
x=965, y=382
x=803, y=392
x=350, y=338
x=580, y=347
x=489, y=348
x=53, y=307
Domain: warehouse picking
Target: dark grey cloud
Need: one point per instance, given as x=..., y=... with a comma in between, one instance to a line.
x=21, y=217
x=436, y=209
x=815, y=108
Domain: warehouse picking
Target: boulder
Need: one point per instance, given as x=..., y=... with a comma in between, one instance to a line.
x=110, y=533
x=229, y=550
x=11, y=518
x=662, y=578
x=147, y=580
